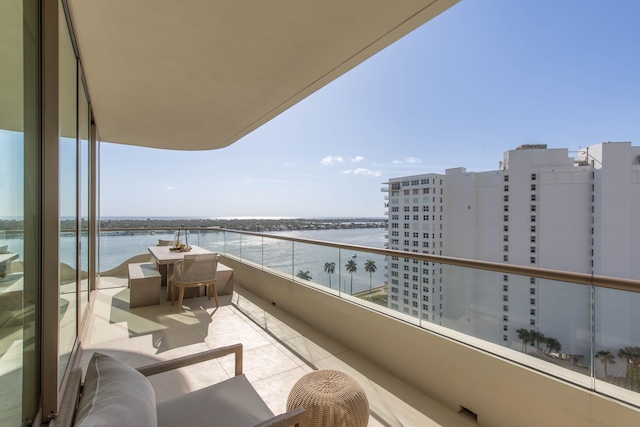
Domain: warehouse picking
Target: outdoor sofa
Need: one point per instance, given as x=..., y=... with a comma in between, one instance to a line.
x=115, y=394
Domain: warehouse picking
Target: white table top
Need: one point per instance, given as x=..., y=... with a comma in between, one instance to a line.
x=8, y=257
x=163, y=255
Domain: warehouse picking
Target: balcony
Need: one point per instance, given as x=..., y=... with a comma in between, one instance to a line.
x=278, y=350
x=441, y=371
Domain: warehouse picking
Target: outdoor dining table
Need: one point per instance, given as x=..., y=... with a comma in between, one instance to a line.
x=165, y=258
x=5, y=261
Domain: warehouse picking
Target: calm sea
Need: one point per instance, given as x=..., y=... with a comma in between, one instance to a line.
x=286, y=257
x=312, y=258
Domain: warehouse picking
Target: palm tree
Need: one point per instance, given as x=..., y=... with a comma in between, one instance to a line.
x=351, y=267
x=330, y=268
x=553, y=345
x=607, y=358
x=525, y=336
x=305, y=275
x=537, y=338
x=370, y=267
x=632, y=355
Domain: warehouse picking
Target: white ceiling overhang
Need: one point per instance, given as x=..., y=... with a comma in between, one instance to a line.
x=201, y=74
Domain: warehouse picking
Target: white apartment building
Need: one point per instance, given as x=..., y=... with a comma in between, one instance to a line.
x=542, y=208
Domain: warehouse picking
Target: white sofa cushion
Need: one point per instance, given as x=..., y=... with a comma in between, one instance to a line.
x=231, y=403
x=115, y=394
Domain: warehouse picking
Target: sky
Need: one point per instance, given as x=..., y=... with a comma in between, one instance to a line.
x=482, y=78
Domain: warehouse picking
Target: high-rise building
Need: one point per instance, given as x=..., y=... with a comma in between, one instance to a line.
x=416, y=225
x=541, y=208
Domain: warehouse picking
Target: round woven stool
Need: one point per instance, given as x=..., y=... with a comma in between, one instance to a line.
x=331, y=398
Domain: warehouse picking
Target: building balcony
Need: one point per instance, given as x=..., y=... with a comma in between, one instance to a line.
x=449, y=371
x=278, y=349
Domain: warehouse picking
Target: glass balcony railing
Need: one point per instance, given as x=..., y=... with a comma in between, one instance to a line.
x=572, y=326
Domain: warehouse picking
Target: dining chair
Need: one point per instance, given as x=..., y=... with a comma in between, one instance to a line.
x=194, y=271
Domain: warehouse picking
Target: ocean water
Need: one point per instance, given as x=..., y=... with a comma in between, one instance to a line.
x=291, y=258
x=286, y=257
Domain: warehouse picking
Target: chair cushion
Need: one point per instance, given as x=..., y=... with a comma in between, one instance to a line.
x=4, y=249
x=162, y=242
x=115, y=394
x=231, y=403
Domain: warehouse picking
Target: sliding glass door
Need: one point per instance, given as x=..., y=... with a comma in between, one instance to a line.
x=20, y=166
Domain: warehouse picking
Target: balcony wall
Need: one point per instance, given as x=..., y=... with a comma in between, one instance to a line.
x=498, y=391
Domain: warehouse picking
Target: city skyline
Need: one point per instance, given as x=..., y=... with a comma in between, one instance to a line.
x=543, y=209
x=476, y=81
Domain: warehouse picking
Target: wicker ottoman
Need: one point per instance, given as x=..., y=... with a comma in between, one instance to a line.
x=331, y=398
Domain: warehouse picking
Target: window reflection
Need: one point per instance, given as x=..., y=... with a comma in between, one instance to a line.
x=84, y=199
x=68, y=196
x=19, y=234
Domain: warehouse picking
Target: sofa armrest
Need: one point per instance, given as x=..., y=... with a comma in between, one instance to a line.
x=191, y=359
x=70, y=399
x=294, y=418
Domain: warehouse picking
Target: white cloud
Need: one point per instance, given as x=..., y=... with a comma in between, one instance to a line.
x=357, y=159
x=170, y=188
x=413, y=160
x=361, y=171
x=366, y=172
x=331, y=160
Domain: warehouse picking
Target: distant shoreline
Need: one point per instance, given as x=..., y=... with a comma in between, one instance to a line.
x=226, y=218
x=245, y=224
x=249, y=224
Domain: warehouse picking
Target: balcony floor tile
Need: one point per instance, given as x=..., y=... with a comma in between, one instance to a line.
x=278, y=349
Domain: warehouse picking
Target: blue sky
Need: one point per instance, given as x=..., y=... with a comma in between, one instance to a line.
x=480, y=79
